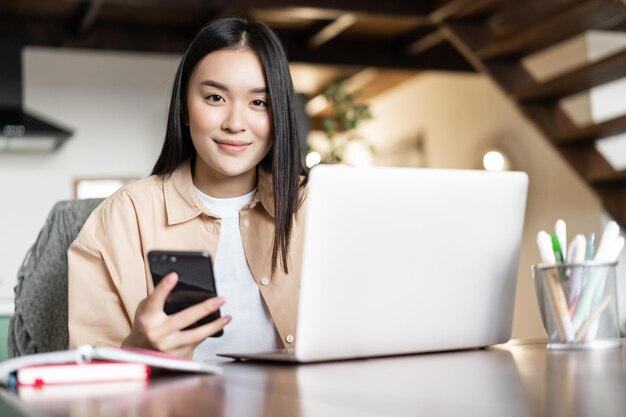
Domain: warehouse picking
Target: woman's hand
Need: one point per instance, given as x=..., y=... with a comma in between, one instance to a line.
x=153, y=329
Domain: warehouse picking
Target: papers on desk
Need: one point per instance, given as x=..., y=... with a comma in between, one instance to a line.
x=88, y=365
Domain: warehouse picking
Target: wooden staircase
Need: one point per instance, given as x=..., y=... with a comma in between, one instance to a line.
x=496, y=35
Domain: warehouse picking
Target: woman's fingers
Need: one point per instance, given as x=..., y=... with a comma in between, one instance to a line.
x=156, y=301
x=189, y=339
x=190, y=315
x=154, y=329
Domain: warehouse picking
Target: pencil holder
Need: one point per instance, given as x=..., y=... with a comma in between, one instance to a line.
x=578, y=304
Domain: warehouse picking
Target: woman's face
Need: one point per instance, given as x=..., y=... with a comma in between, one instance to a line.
x=228, y=114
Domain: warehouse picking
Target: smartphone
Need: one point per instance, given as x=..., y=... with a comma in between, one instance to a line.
x=196, y=282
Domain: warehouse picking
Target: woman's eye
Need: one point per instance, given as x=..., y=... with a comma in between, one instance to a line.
x=259, y=103
x=214, y=98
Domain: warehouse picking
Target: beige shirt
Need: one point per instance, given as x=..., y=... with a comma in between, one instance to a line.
x=108, y=268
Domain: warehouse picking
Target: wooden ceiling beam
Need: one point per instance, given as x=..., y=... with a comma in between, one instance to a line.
x=412, y=7
x=425, y=43
x=358, y=52
x=595, y=14
x=463, y=9
x=86, y=22
x=332, y=30
x=592, y=75
x=402, y=7
x=591, y=133
x=520, y=15
x=373, y=53
x=186, y=4
x=107, y=37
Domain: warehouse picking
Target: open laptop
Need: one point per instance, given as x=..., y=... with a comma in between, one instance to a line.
x=406, y=260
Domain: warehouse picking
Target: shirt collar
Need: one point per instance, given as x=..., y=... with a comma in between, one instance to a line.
x=182, y=203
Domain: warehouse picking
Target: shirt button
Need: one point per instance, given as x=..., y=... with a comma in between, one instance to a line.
x=265, y=281
x=246, y=223
x=290, y=338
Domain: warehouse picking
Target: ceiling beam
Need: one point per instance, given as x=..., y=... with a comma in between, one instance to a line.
x=405, y=7
x=186, y=4
x=107, y=37
x=334, y=29
x=424, y=43
x=90, y=16
x=455, y=9
x=373, y=53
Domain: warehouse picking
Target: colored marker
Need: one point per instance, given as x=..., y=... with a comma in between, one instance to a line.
x=576, y=255
x=545, y=248
x=560, y=229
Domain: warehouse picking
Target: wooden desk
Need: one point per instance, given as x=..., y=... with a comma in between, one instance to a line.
x=507, y=380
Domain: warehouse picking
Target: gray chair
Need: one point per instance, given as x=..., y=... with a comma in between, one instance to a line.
x=39, y=323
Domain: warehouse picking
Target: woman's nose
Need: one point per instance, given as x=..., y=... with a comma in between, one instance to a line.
x=234, y=119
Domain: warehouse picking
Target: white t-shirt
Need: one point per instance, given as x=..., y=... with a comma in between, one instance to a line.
x=251, y=328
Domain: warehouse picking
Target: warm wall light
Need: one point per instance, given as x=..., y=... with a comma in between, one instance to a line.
x=495, y=161
x=312, y=159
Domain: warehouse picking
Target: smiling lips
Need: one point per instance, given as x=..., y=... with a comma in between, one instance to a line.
x=232, y=146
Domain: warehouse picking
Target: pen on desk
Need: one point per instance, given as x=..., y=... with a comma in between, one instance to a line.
x=589, y=254
x=612, y=253
x=556, y=247
x=545, y=248
x=607, y=241
x=558, y=255
x=560, y=230
x=576, y=255
x=582, y=332
x=559, y=303
x=609, y=248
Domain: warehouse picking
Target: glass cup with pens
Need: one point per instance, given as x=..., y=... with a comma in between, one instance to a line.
x=577, y=293
x=578, y=304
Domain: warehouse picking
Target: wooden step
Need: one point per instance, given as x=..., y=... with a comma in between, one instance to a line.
x=606, y=70
x=597, y=14
x=587, y=161
x=591, y=133
x=614, y=179
x=522, y=14
x=549, y=118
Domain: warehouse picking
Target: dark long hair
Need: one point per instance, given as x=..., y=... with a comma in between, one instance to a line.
x=283, y=160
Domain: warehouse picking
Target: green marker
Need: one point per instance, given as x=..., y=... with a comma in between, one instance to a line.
x=556, y=247
x=558, y=255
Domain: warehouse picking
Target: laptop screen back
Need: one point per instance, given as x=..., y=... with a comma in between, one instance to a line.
x=403, y=260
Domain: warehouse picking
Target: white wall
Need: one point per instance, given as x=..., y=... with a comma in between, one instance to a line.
x=116, y=103
x=462, y=115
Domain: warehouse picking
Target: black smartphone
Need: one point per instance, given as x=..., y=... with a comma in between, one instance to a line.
x=196, y=282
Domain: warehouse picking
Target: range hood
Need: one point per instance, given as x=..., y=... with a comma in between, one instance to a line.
x=21, y=132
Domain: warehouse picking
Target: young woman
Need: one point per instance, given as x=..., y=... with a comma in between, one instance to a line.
x=229, y=181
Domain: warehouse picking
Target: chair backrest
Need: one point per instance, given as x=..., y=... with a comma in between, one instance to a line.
x=39, y=323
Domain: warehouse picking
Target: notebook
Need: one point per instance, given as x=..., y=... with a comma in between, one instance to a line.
x=406, y=260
